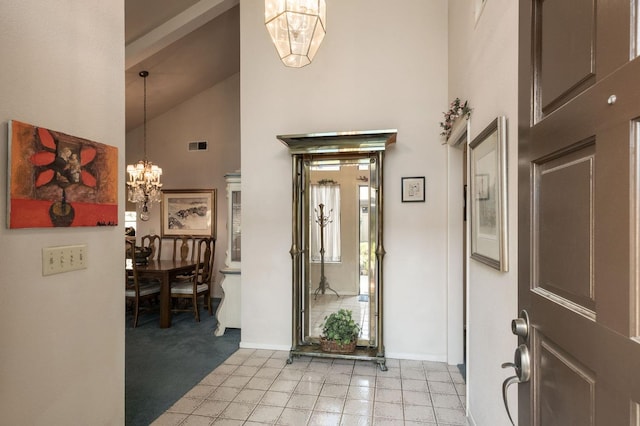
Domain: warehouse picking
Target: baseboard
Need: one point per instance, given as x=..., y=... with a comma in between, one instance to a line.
x=416, y=357
x=250, y=345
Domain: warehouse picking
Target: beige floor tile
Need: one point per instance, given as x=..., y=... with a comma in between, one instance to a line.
x=282, y=385
x=313, y=376
x=419, y=413
x=265, y=414
x=438, y=376
x=250, y=396
x=294, y=417
x=329, y=405
x=387, y=410
x=384, y=421
x=238, y=411
x=450, y=416
x=198, y=421
x=414, y=373
x=388, y=395
x=225, y=369
x=319, y=418
x=227, y=422
x=308, y=388
x=338, y=378
x=288, y=374
x=304, y=402
x=362, y=393
x=442, y=387
x=268, y=373
x=358, y=407
x=214, y=379
x=211, y=408
x=355, y=420
x=245, y=370
x=278, y=399
x=236, y=381
x=335, y=391
x=224, y=393
x=415, y=385
x=446, y=401
x=259, y=383
x=416, y=398
x=368, y=381
x=388, y=383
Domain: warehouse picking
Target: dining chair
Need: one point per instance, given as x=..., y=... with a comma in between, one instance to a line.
x=184, y=249
x=155, y=243
x=137, y=290
x=200, y=282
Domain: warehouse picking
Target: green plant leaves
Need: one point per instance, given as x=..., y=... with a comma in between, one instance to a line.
x=341, y=327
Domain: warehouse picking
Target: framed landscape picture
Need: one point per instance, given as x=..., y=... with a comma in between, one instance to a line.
x=188, y=212
x=488, y=195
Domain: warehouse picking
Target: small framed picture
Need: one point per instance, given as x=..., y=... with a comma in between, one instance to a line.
x=413, y=189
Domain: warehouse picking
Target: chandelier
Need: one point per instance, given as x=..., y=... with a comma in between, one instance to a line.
x=144, y=177
x=296, y=27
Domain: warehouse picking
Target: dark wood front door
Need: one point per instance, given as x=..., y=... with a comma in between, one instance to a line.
x=579, y=209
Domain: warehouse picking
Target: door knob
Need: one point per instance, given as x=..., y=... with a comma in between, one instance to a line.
x=522, y=364
x=520, y=325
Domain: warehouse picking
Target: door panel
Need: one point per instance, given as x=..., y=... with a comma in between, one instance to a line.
x=566, y=57
x=563, y=210
x=579, y=211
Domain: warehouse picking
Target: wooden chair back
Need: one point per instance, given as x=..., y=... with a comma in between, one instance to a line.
x=184, y=248
x=155, y=243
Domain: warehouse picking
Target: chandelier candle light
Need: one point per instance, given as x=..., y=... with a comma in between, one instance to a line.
x=144, y=177
x=296, y=27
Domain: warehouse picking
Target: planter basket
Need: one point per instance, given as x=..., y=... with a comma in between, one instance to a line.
x=334, y=347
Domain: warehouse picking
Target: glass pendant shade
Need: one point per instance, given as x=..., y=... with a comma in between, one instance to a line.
x=296, y=27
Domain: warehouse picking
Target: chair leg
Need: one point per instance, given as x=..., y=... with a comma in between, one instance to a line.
x=195, y=307
x=135, y=314
x=208, y=296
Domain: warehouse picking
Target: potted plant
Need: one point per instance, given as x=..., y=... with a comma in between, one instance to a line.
x=339, y=332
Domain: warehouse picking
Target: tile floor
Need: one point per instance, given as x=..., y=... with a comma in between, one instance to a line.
x=257, y=387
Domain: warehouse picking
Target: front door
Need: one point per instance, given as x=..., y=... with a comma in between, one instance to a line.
x=579, y=210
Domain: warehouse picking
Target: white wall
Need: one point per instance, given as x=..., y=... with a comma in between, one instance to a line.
x=380, y=66
x=62, y=345
x=214, y=116
x=483, y=61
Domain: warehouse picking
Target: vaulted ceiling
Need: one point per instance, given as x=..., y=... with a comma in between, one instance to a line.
x=187, y=46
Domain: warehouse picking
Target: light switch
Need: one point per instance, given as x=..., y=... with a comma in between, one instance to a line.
x=56, y=260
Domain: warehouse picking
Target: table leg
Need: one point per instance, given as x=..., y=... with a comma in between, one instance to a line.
x=165, y=302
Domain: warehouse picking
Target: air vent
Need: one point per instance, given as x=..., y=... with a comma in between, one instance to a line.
x=198, y=146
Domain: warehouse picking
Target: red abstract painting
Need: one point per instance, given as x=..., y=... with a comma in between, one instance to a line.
x=58, y=180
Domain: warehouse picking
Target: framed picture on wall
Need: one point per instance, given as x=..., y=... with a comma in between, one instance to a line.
x=489, y=195
x=188, y=212
x=413, y=189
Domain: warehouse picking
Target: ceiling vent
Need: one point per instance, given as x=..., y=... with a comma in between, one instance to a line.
x=198, y=146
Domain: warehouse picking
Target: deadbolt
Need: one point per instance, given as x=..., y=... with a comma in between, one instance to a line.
x=520, y=325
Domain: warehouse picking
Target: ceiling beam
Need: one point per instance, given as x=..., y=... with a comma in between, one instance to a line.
x=175, y=28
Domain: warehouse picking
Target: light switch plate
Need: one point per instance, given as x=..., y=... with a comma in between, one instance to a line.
x=56, y=260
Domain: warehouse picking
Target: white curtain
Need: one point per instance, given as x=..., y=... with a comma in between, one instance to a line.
x=329, y=195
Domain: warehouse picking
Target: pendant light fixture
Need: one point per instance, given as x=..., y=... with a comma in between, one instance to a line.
x=144, y=177
x=296, y=27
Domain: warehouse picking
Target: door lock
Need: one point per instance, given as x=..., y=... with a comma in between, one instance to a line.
x=522, y=364
x=520, y=325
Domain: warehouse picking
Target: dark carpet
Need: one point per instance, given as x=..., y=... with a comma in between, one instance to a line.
x=161, y=365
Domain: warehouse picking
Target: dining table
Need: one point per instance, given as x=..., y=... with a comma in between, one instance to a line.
x=164, y=270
